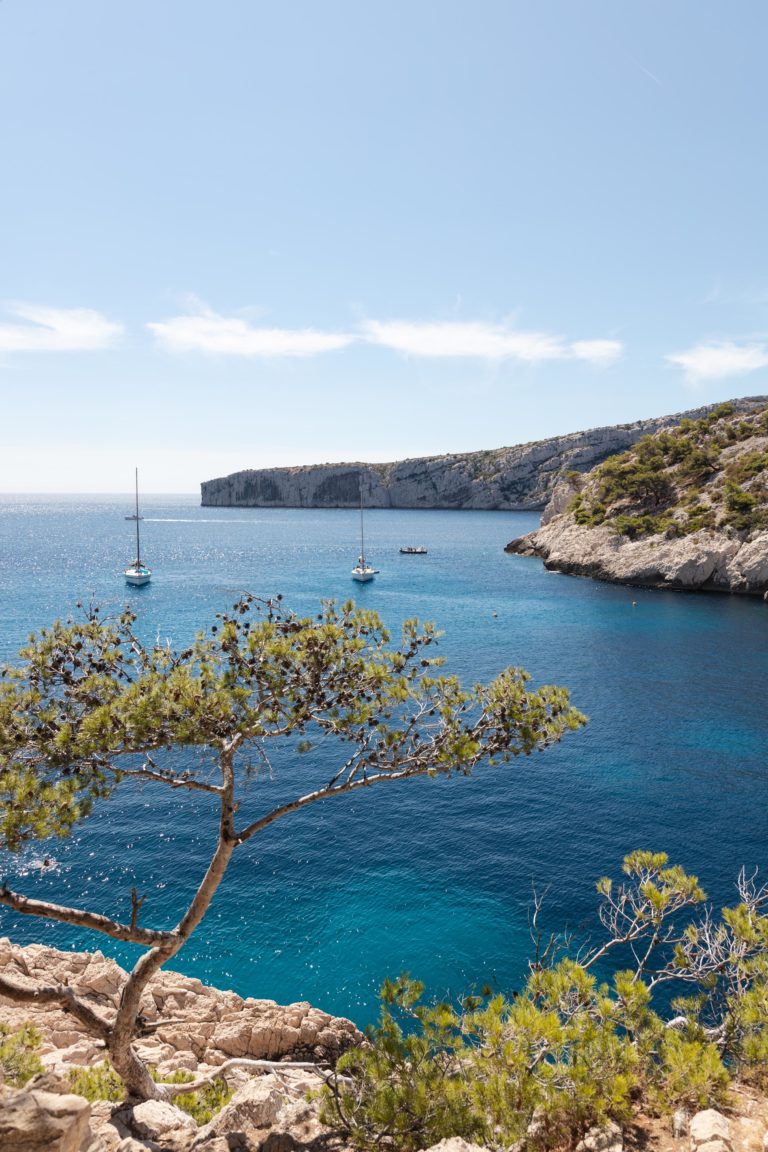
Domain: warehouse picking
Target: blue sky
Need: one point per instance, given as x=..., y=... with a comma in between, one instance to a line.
x=245, y=234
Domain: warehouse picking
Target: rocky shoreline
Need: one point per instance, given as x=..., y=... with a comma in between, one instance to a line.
x=706, y=561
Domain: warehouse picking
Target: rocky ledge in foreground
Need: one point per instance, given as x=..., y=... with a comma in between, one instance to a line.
x=188, y=1024
x=685, y=509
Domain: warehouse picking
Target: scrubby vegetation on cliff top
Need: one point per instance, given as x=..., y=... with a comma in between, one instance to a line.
x=708, y=473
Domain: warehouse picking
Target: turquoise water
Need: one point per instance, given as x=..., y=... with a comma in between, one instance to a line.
x=433, y=877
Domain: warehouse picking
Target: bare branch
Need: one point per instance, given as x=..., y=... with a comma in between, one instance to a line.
x=169, y=779
x=325, y=793
x=323, y=1070
x=136, y=905
x=58, y=994
x=128, y=933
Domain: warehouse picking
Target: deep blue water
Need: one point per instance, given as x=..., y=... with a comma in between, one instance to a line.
x=433, y=877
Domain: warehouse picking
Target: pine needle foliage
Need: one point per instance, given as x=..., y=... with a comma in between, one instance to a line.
x=19, y=1058
x=569, y=1050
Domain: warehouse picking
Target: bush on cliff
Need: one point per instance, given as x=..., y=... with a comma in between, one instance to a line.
x=678, y=481
x=91, y=707
x=19, y=1059
x=569, y=1049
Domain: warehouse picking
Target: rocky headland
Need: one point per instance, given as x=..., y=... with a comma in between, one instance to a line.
x=502, y=479
x=684, y=508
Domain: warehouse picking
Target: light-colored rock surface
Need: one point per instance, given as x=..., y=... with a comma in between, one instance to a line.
x=255, y=1105
x=708, y=1127
x=35, y=1121
x=709, y=560
x=454, y=1144
x=605, y=1139
x=680, y=1123
x=158, y=1120
x=131, y=1144
x=508, y=479
x=204, y=1025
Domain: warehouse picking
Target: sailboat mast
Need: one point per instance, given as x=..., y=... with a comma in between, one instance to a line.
x=362, y=530
x=138, y=544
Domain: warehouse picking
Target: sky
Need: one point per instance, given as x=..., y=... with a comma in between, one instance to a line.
x=247, y=234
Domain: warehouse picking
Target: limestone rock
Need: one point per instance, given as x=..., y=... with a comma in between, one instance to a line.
x=255, y=1105
x=604, y=1139
x=679, y=1123
x=35, y=1121
x=163, y=1122
x=297, y=1126
x=715, y=561
x=710, y=1129
x=518, y=477
x=455, y=1144
x=205, y=1024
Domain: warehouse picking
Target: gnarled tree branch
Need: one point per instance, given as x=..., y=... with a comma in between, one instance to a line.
x=58, y=994
x=128, y=933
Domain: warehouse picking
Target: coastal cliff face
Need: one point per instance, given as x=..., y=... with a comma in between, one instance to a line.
x=682, y=510
x=507, y=479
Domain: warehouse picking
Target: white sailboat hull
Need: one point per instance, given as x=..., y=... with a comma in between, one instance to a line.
x=363, y=575
x=138, y=576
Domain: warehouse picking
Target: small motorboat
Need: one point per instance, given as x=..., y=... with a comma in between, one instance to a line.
x=413, y=550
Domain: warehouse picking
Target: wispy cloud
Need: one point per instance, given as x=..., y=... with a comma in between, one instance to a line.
x=485, y=341
x=602, y=353
x=715, y=359
x=206, y=331
x=57, y=330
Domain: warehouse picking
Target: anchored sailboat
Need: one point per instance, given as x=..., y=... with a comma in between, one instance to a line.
x=362, y=571
x=137, y=573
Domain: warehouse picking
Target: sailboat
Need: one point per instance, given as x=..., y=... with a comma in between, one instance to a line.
x=362, y=571
x=137, y=573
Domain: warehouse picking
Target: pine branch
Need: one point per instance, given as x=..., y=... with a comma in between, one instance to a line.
x=61, y=995
x=128, y=933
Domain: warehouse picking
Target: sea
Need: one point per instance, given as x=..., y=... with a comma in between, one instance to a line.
x=433, y=877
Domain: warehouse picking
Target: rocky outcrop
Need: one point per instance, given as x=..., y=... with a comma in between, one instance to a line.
x=704, y=561
x=509, y=479
x=35, y=1121
x=267, y=1113
x=686, y=510
x=187, y=1023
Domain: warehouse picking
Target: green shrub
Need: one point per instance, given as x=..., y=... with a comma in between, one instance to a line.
x=98, y=1082
x=567, y=1051
x=101, y=1082
x=740, y=506
x=636, y=527
x=747, y=466
x=202, y=1105
x=688, y=1073
x=19, y=1059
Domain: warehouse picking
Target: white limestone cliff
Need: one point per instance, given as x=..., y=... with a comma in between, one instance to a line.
x=508, y=479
